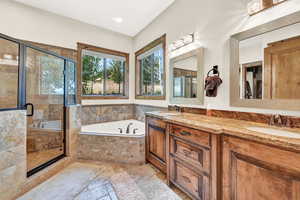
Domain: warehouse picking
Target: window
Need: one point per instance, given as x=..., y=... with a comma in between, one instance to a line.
x=9, y=66
x=104, y=73
x=150, y=70
x=256, y=6
x=51, y=74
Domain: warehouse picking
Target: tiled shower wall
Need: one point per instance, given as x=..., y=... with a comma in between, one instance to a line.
x=92, y=114
x=12, y=152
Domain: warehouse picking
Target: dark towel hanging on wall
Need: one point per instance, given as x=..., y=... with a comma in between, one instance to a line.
x=212, y=83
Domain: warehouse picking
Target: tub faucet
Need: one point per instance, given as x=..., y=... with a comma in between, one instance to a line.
x=121, y=131
x=128, y=128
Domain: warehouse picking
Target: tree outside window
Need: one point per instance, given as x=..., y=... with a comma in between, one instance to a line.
x=102, y=76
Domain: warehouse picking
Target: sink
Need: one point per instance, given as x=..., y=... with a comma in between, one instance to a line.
x=275, y=132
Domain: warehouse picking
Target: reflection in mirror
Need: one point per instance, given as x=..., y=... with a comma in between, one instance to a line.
x=185, y=83
x=187, y=77
x=252, y=80
x=269, y=65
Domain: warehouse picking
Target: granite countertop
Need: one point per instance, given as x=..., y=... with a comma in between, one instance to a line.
x=231, y=127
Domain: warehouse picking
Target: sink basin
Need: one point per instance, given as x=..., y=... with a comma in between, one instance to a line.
x=275, y=132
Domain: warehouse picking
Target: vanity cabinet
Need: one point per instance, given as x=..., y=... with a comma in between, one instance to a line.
x=156, y=142
x=257, y=171
x=193, y=160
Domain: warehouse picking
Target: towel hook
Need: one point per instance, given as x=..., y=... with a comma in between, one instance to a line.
x=214, y=70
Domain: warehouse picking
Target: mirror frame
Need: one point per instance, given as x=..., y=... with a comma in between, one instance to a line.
x=235, y=100
x=199, y=100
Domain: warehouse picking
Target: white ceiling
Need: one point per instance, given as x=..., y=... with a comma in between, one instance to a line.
x=136, y=14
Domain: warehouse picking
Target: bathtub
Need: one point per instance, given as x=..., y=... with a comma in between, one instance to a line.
x=117, y=128
x=106, y=142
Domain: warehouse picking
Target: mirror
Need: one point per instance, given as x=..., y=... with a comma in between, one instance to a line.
x=265, y=65
x=187, y=78
x=270, y=65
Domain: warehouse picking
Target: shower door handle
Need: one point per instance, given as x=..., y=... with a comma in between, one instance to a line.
x=32, y=109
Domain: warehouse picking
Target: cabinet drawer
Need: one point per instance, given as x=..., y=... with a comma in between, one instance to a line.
x=156, y=122
x=194, y=184
x=192, y=154
x=192, y=135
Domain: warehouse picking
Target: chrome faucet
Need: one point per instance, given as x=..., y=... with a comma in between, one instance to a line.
x=121, y=131
x=128, y=128
x=278, y=120
x=134, y=130
x=178, y=108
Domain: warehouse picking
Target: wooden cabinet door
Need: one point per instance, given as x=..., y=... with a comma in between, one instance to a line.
x=156, y=143
x=257, y=171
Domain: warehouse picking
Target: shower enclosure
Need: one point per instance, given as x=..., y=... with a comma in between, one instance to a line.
x=46, y=85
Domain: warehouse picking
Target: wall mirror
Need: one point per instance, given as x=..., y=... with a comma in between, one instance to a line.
x=265, y=67
x=186, y=73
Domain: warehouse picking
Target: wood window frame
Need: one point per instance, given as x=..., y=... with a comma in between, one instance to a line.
x=158, y=41
x=266, y=4
x=82, y=46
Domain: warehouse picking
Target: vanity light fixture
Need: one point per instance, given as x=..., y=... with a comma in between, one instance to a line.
x=118, y=19
x=186, y=40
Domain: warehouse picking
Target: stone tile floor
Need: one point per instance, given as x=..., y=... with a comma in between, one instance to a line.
x=87, y=180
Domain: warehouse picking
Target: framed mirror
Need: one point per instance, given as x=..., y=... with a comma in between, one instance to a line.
x=265, y=65
x=186, y=79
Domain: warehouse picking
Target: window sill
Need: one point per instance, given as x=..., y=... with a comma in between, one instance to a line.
x=150, y=97
x=103, y=97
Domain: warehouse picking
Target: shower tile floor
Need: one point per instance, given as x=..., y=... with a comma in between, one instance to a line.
x=85, y=180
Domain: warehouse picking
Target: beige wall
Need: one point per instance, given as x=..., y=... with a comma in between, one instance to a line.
x=24, y=22
x=215, y=21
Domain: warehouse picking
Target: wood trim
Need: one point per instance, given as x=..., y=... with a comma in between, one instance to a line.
x=49, y=46
x=266, y=7
x=160, y=40
x=82, y=46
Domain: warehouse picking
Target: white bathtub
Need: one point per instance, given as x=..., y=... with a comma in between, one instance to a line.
x=114, y=128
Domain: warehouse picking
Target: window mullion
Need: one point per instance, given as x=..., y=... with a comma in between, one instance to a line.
x=104, y=76
x=152, y=75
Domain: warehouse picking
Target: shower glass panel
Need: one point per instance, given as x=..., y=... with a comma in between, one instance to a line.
x=45, y=89
x=9, y=67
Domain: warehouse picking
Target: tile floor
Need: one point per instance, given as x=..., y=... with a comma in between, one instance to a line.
x=85, y=180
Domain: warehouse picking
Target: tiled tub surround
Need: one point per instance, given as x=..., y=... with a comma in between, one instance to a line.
x=141, y=110
x=92, y=114
x=73, y=130
x=104, y=142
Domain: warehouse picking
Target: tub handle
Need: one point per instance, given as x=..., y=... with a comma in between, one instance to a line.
x=121, y=131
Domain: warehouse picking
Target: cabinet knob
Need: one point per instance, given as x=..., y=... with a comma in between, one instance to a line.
x=185, y=133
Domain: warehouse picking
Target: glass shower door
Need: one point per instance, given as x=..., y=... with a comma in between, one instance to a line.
x=45, y=89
